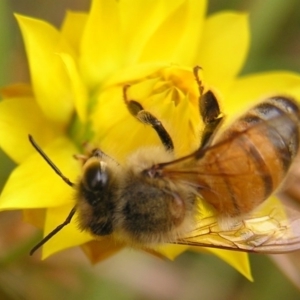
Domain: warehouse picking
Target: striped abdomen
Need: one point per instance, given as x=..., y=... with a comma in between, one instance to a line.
x=251, y=158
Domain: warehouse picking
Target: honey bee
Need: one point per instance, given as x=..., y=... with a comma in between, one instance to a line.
x=154, y=197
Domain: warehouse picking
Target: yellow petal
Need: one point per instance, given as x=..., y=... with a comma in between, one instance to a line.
x=35, y=217
x=69, y=236
x=177, y=38
x=238, y=260
x=79, y=91
x=18, y=118
x=136, y=32
x=100, y=47
x=33, y=184
x=16, y=90
x=224, y=46
x=72, y=28
x=153, y=252
x=136, y=72
x=252, y=88
x=99, y=250
x=48, y=76
x=145, y=38
x=171, y=251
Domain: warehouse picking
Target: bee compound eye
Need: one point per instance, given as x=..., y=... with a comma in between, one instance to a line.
x=95, y=177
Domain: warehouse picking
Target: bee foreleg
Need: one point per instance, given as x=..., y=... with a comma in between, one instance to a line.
x=209, y=111
x=211, y=116
x=137, y=110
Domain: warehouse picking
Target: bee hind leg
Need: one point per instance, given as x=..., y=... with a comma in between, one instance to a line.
x=137, y=110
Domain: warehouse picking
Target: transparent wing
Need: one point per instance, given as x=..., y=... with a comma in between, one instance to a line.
x=272, y=229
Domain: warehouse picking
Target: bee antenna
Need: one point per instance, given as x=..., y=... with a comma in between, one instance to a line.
x=53, y=232
x=49, y=161
x=106, y=155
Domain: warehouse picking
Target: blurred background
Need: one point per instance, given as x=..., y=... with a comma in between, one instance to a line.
x=275, y=45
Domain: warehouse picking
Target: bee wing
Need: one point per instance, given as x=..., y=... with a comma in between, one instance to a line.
x=271, y=229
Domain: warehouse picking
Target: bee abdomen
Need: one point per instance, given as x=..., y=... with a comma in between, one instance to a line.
x=277, y=119
x=254, y=156
x=282, y=117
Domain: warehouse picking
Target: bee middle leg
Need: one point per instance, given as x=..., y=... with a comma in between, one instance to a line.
x=137, y=110
x=209, y=111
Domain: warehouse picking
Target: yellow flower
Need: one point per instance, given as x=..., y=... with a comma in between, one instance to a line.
x=78, y=73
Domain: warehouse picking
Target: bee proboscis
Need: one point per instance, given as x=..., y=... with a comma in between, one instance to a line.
x=155, y=198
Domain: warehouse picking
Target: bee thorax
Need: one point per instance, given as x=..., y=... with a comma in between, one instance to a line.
x=151, y=210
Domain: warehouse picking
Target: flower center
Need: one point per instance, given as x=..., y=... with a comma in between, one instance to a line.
x=181, y=80
x=171, y=94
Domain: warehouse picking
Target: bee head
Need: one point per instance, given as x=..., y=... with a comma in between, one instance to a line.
x=95, y=174
x=95, y=194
